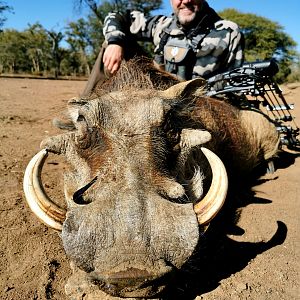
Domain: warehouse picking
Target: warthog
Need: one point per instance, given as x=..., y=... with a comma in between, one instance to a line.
x=147, y=178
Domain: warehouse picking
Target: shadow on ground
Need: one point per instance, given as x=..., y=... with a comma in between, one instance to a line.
x=217, y=256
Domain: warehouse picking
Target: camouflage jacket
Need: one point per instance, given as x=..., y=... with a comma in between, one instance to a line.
x=212, y=46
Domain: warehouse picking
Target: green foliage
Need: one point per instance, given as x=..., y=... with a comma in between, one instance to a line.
x=11, y=49
x=34, y=50
x=264, y=39
x=38, y=47
x=56, y=51
x=37, y=50
x=78, y=37
x=295, y=68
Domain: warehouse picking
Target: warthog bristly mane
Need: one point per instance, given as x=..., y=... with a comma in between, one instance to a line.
x=138, y=73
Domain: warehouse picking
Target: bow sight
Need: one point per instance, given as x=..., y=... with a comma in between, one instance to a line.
x=252, y=87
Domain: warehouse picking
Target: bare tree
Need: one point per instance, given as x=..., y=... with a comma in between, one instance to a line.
x=56, y=38
x=100, y=7
x=4, y=8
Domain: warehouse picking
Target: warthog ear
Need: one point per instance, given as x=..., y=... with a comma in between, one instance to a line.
x=185, y=89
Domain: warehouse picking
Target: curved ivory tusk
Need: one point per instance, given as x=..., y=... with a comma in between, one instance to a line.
x=47, y=211
x=213, y=201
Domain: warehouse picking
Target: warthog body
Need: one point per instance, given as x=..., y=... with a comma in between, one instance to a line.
x=137, y=174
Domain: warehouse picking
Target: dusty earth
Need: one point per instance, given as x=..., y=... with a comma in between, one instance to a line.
x=258, y=259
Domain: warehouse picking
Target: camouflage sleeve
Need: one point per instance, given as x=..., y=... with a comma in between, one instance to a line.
x=221, y=50
x=117, y=27
x=236, y=46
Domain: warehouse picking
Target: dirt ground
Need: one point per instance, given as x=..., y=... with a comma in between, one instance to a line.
x=33, y=265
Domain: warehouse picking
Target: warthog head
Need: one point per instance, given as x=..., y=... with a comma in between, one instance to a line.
x=140, y=192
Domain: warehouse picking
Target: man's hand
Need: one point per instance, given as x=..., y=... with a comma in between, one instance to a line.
x=112, y=58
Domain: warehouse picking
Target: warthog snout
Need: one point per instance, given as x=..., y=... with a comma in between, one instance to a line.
x=131, y=282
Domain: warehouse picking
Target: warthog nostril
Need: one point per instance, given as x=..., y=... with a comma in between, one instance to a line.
x=130, y=274
x=110, y=289
x=132, y=282
x=118, y=280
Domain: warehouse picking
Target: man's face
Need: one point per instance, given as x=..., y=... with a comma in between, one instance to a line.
x=186, y=10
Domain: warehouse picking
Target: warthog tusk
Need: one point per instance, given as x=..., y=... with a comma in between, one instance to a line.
x=213, y=201
x=37, y=199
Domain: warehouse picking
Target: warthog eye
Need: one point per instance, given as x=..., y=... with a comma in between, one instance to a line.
x=80, y=118
x=78, y=195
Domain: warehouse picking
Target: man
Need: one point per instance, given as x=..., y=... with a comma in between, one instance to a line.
x=193, y=42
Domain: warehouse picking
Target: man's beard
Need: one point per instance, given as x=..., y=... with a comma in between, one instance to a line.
x=186, y=19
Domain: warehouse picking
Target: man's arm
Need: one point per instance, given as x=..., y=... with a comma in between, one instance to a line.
x=112, y=58
x=118, y=28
